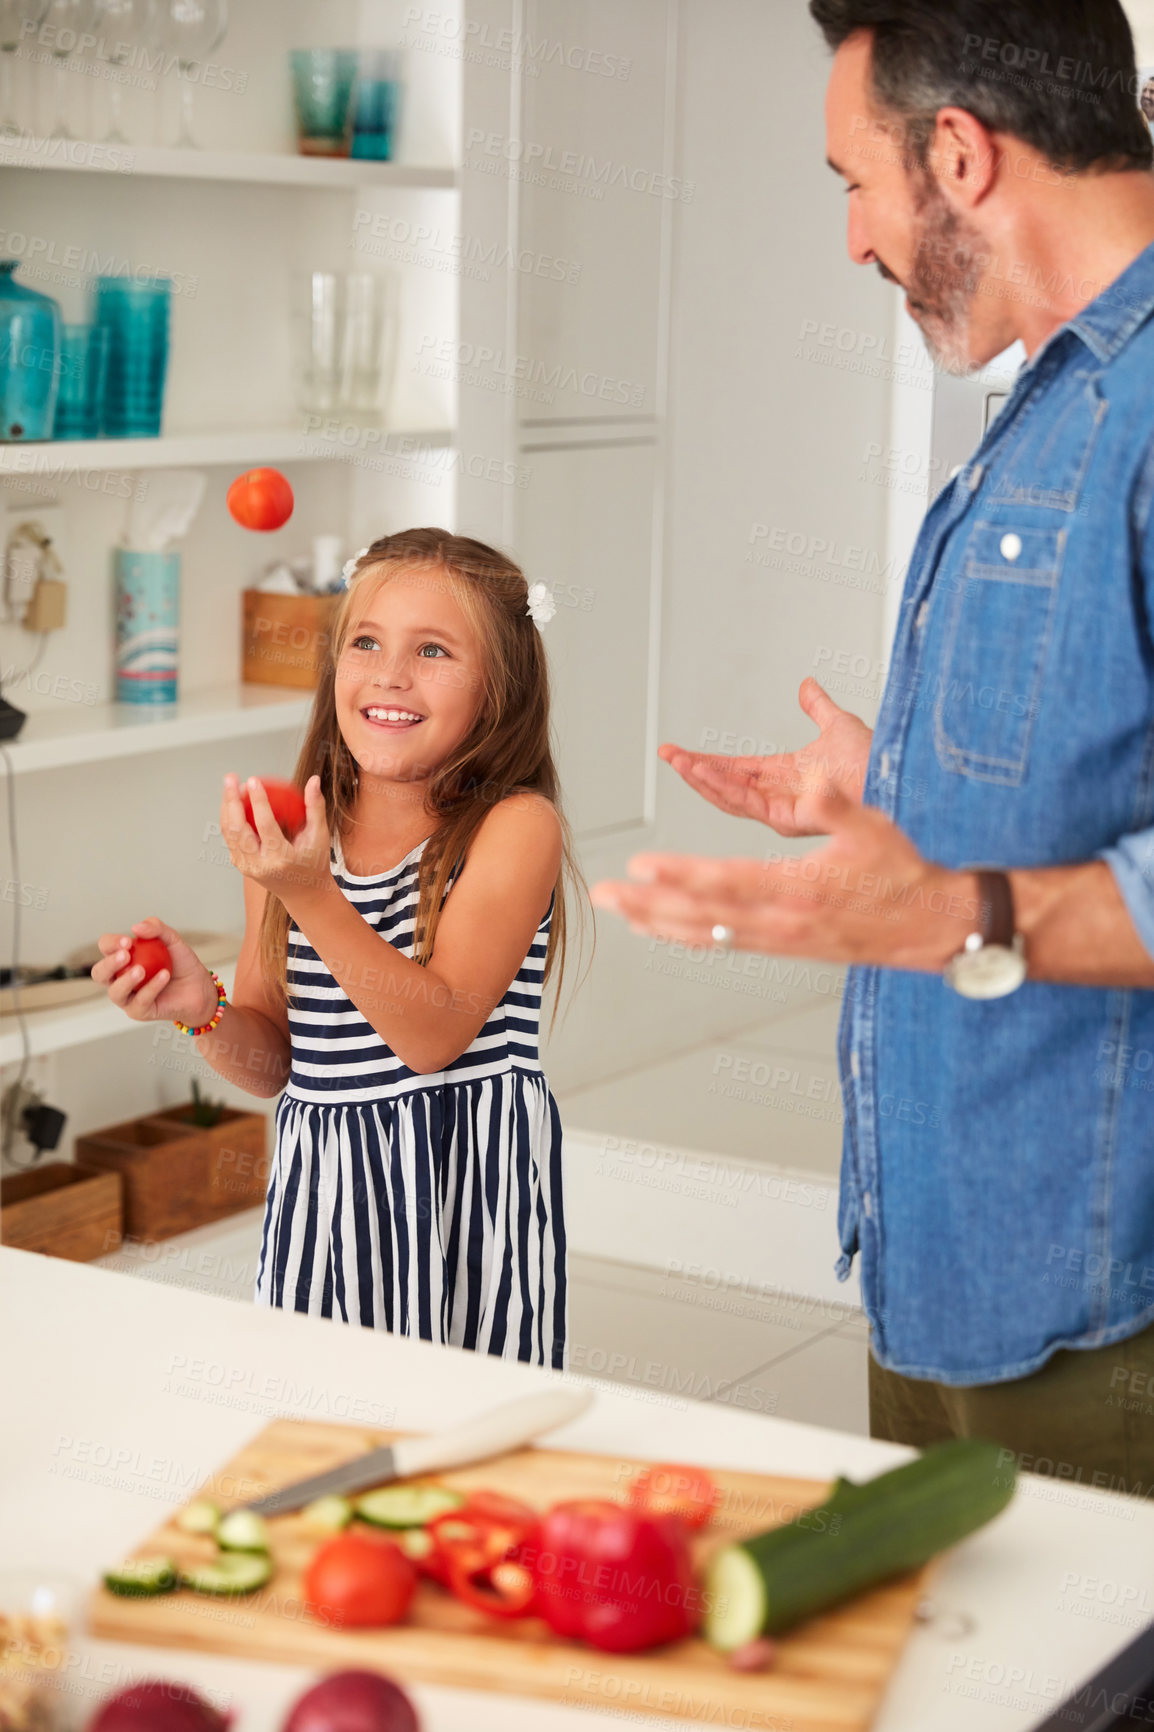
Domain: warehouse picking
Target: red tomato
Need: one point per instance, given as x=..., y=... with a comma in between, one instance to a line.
x=287, y=802
x=669, y=1489
x=260, y=499
x=617, y=1578
x=151, y=954
x=359, y=1578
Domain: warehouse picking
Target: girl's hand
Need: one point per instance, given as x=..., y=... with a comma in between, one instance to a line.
x=268, y=857
x=186, y=995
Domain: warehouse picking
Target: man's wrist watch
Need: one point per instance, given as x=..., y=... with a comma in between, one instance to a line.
x=992, y=962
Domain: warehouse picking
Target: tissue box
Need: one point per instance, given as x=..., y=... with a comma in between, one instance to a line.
x=285, y=637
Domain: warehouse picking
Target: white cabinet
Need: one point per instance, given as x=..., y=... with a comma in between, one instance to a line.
x=587, y=532
x=594, y=166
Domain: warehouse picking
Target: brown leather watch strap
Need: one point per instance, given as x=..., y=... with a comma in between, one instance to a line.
x=996, y=907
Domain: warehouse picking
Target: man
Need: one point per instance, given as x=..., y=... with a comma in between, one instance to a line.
x=989, y=873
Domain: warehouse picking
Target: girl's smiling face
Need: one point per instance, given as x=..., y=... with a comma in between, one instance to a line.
x=409, y=677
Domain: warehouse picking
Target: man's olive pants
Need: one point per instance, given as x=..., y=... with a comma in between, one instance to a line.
x=1086, y=1416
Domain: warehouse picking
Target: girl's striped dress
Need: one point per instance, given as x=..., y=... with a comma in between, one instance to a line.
x=424, y=1205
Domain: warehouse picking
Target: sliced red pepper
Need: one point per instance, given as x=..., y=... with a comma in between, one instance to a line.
x=468, y=1545
x=505, y=1589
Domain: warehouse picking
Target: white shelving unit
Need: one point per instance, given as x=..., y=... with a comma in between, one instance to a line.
x=257, y=167
x=241, y=446
x=234, y=227
x=74, y=1024
x=49, y=742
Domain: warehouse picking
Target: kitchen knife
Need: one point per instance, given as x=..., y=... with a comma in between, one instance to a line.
x=497, y=1432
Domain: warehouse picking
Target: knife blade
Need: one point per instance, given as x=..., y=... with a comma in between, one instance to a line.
x=496, y=1432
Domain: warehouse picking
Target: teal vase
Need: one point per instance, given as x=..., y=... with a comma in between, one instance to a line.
x=29, y=359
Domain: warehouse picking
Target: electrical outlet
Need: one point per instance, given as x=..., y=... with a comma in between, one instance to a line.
x=20, y=556
x=38, y=1085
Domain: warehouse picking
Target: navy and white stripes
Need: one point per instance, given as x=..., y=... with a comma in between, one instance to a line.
x=426, y=1205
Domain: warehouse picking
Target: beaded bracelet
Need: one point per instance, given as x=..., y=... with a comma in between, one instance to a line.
x=207, y=1027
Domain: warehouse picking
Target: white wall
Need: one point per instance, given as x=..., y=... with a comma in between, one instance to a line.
x=762, y=430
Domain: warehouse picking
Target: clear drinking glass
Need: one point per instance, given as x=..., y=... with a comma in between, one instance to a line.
x=191, y=29
x=64, y=23
x=19, y=19
x=122, y=28
x=346, y=341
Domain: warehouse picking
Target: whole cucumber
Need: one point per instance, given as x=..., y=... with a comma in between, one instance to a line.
x=860, y=1535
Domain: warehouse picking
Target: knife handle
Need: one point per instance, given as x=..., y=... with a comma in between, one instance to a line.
x=494, y=1433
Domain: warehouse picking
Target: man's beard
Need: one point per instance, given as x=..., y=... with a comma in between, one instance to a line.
x=944, y=280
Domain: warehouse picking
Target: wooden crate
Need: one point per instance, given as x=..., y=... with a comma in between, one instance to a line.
x=237, y=1166
x=163, y=1167
x=285, y=637
x=63, y=1209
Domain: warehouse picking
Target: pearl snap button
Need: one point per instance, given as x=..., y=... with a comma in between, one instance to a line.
x=1011, y=546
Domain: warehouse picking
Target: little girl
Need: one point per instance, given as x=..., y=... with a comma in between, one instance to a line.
x=393, y=963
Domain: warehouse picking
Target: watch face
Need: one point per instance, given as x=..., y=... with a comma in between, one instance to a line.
x=990, y=972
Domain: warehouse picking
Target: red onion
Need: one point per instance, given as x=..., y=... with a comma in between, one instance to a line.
x=353, y=1702
x=756, y=1656
x=158, y=1705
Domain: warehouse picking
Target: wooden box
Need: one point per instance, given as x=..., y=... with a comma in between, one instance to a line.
x=237, y=1166
x=62, y=1209
x=285, y=637
x=163, y=1167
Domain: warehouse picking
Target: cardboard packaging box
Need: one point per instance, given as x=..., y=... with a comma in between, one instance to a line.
x=285, y=637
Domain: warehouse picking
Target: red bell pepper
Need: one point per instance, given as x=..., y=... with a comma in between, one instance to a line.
x=618, y=1578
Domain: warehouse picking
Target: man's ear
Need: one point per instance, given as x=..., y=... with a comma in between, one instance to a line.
x=964, y=157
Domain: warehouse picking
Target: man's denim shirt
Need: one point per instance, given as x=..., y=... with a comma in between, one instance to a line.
x=998, y=1159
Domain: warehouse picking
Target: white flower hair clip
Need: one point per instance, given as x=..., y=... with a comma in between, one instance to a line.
x=350, y=566
x=541, y=606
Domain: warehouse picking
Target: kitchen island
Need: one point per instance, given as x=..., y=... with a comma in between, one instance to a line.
x=121, y=1398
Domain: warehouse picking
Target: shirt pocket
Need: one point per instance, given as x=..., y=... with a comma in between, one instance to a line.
x=993, y=659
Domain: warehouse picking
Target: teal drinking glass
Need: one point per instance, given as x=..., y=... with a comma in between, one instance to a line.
x=376, y=107
x=83, y=375
x=323, y=80
x=136, y=315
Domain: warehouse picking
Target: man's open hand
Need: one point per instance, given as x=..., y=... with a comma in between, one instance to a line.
x=784, y=791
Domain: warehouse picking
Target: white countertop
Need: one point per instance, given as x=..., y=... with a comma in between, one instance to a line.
x=121, y=1396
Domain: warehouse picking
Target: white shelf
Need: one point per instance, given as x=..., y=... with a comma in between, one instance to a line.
x=256, y=167
x=242, y=447
x=74, y=1024
x=92, y=735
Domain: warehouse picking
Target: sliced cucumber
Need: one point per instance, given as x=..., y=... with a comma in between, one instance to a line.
x=233, y=1573
x=136, y=1577
x=861, y=1535
x=406, y=1506
x=416, y=1543
x=242, y=1530
x=328, y=1514
x=200, y=1517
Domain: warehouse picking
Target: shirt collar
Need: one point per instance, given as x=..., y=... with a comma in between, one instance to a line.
x=1109, y=322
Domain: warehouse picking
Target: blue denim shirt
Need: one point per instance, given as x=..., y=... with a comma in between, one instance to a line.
x=998, y=1159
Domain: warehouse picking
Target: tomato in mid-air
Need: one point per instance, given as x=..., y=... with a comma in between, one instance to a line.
x=359, y=1579
x=260, y=499
x=151, y=954
x=287, y=802
x=670, y=1489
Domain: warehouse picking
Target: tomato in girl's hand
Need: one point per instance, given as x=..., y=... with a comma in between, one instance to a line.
x=260, y=499
x=359, y=1579
x=151, y=954
x=287, y=802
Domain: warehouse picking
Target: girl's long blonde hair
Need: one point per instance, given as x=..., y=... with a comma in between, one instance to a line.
x=506, y=750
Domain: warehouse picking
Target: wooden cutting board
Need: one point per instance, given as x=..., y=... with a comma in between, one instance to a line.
x=830, y=1674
